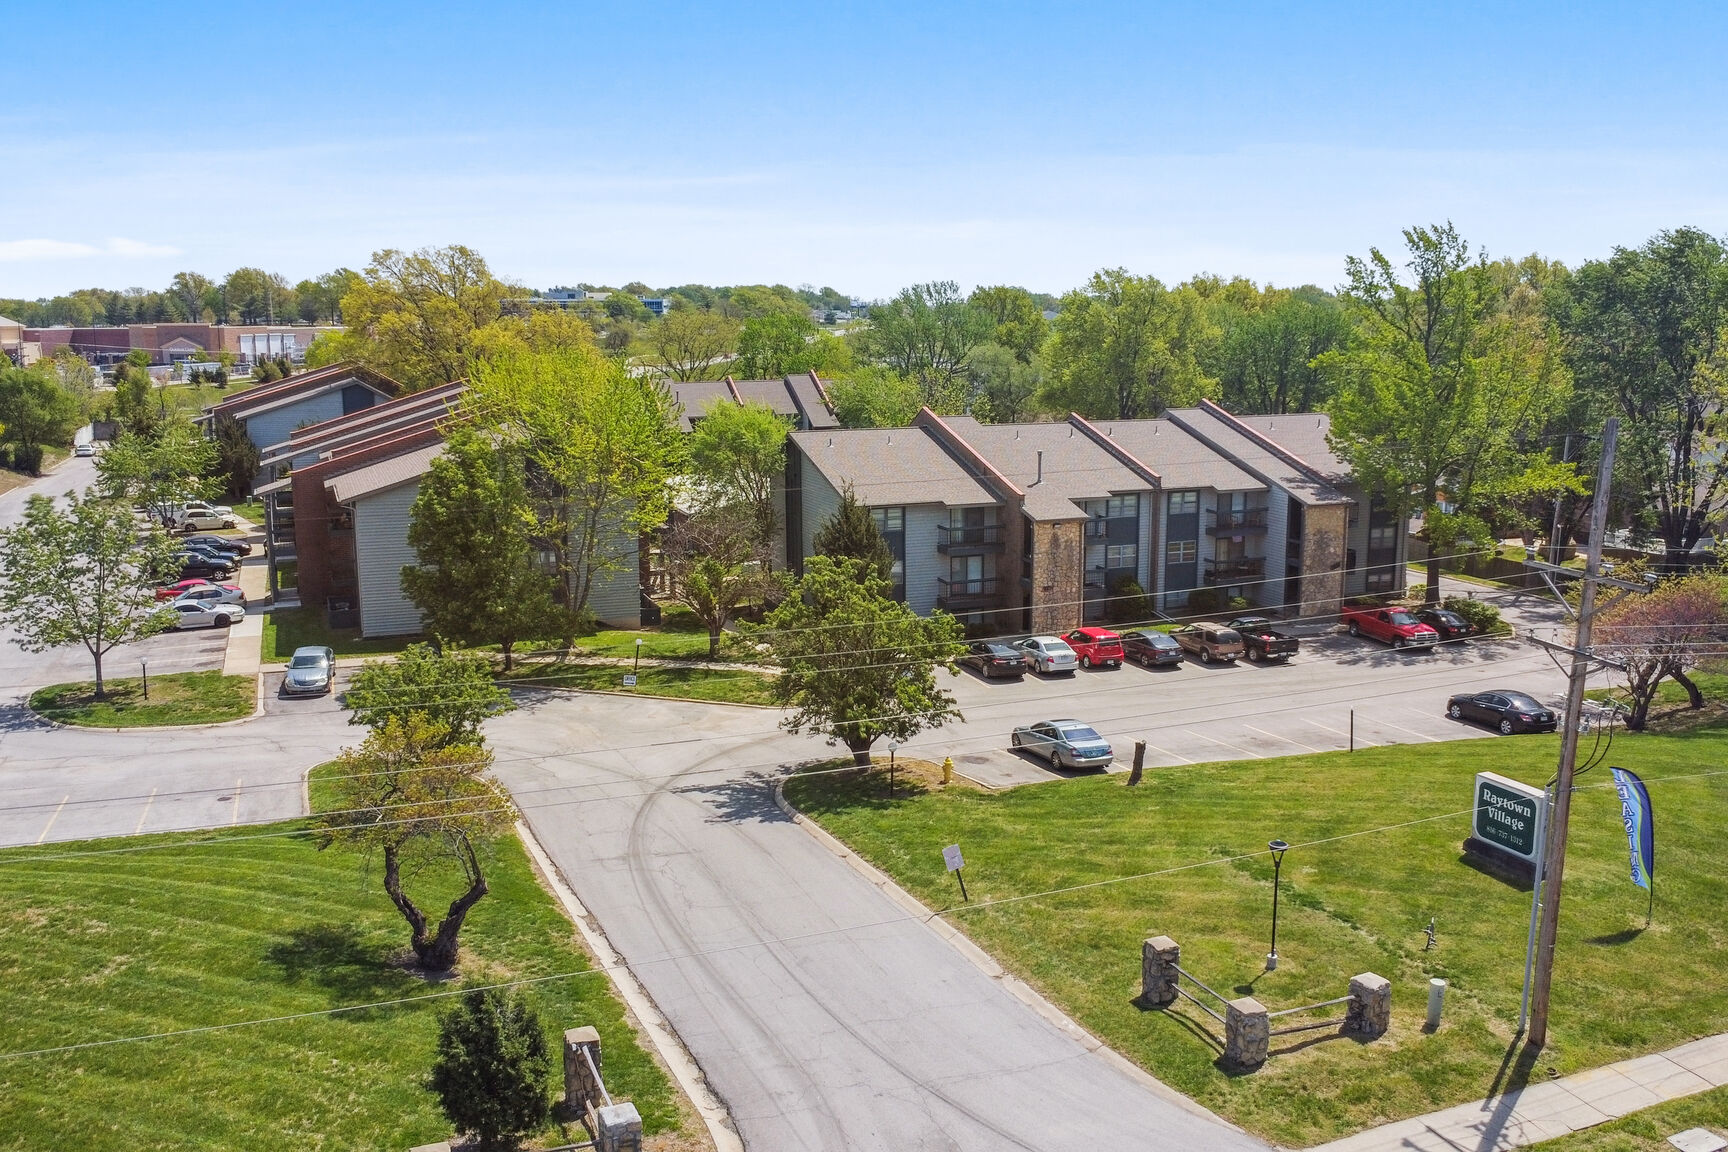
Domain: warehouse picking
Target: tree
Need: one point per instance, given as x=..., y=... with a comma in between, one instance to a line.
x=776, y=345
x=132, y=394
x=259, y=297
x=600, y=447
x=874, y=397
x=1020, y=324
x=34, y=410
x=492, y=1066
x=687, y=343
x=1266, y=360
x=81, y=575
x=851, y=533
x=1125, y=348
x=1644, y=335
x=453, y=688
x=1002, y=387
x=193, y=292
x=855, y=665
x=478, y=579
x=925, y=334
x=417, y=313
x=160, y=471
x=1663, y=635
x=419, y=797
x=1436, y=389
x=738, y=456
x=237, y=458
x=716, y=566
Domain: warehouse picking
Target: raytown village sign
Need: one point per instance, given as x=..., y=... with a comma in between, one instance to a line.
x=1508, y=817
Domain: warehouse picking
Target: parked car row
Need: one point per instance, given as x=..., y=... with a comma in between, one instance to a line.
x=1093, y=647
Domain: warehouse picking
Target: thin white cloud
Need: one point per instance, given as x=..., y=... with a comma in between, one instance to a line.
x=18, y=250
x=120, y=246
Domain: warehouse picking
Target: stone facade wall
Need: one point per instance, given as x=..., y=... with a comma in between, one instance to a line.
x=1058, y=575
x=1325, y=534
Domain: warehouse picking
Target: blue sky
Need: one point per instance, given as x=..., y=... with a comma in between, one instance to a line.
x=864, y=146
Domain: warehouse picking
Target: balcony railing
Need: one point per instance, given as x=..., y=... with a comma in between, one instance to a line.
x=970, y=540
x=1239, y=571
x=968, y=595
x=1238, y=523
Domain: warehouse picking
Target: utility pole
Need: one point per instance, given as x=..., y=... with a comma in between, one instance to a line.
x=1554, y=859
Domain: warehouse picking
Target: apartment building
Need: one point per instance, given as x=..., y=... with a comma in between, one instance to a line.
x=1038, y=527
x=271, y=412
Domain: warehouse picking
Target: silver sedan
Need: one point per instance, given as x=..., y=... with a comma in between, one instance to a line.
x=1065, y=743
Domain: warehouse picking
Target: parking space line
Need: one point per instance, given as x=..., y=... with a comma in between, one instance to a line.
x=1163, y=752
x=142, y=815
x=1286, y=739
x=1335, y=732
x=1223, y=744
x=1408, y=731
x=236, y=818
x=46, y=828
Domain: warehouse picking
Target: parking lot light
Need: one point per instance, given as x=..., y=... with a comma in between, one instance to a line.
x=1278, y=848
x=144, y=676
x=892, y=745
x=637, y=667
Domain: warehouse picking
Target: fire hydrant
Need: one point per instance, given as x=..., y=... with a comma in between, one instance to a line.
x=947, y=769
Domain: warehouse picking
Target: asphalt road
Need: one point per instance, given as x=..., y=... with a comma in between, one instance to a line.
x=824, y=1015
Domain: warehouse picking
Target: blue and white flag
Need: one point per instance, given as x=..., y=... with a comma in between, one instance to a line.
x=1635, y=813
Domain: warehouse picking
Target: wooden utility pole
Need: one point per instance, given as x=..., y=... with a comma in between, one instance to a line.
x=1555, y=856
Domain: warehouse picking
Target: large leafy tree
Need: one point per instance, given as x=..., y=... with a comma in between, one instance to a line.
x=1125, y=347
x=237, y=458
x=600, y=446
x=851, y=534
x=1437, y=391
x=414, y=315
x=1265, y=359
x=420, y=799
x=492, y=1068
x=1003, y=388
x=453, y=687
x=857, y=666
x=258, y=297
x=738, y=456
x=717, y=567
x=687, y=343
x=870, y=396
x=82, y=574
x=478, y=579
x=1020, y=324
x=35, y=410
x=160, y=469
x=1644, y=340
x=924, y=334
x=1663, y=636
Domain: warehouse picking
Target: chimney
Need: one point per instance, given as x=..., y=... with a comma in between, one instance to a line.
x=1040, y=479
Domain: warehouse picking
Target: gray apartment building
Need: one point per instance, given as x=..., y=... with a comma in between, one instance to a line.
x=1035, y=527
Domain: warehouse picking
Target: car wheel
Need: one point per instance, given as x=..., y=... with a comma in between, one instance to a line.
x=1455, y=712
x=1085, y=661
x=1205, y=656
x=1014, y=740
x=224, y=622
x=1253, y=655
x=1397, y=643
x=1055, y=758
x=1505, y=727
x=1355, y=629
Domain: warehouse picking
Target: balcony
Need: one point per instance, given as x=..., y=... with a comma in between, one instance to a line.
x=969, y=595
x=1242, y=570
x=1242, y=522
x=973, y=540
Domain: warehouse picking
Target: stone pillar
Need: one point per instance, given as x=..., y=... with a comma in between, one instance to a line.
x=1247, y=1033
x=1369, y=1012
x=1159, y=957
x=580, y=1090
x=619, y=1129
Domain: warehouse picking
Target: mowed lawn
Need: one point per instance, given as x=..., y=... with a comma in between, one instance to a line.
x=1354, y=900
x=246, y=926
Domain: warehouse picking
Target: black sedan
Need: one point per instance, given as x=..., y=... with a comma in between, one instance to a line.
x=197, y=564
x=1450, y=625
x=221, y=544
x=214, y=555
x=1504, y=709
x=993, y=658
x=1149, y=649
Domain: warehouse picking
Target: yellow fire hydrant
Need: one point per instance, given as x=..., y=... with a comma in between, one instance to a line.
x=947, y=769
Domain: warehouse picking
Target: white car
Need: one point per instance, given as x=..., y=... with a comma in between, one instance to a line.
x=198, y=614
x=1049, y=655
x=202, y=519
x=213, y=594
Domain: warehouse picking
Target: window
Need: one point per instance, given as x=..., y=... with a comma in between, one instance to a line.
x=889, y=519
x=1181, y=551
x=1184, y=504
x=1128, y=505
x=1121, y=556
x=1380, y=581
x=1383, y=536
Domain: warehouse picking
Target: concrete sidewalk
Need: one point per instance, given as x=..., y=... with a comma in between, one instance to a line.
x=1545, y=1111
x=245, y=646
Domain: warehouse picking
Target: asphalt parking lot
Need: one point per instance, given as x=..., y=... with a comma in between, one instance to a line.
x=277, y=704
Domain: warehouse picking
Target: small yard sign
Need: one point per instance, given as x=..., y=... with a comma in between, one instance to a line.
x=629, y=679
x=951, y=857
x=1509, y=815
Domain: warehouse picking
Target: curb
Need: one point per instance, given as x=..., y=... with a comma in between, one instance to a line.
x=985, y=963
x=257, y=711
x=639, y=695
x=671, y=1050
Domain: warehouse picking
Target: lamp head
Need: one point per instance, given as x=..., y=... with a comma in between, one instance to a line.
x=1278, y=848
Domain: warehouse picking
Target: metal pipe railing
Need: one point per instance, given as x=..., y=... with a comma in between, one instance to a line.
x=1309, y=1007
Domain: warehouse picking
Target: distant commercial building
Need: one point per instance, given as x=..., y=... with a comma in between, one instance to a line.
x=15, y=347
x=169, y=344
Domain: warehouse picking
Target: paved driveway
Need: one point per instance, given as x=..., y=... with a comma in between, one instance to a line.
x=824, y=1015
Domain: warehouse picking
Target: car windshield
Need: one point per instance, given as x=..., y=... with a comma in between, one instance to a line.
x=1080, y=734
x=306, y=662
x=1402, y=618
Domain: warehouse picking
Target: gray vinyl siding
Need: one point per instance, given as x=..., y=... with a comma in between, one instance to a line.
x=778, y=559
x=380, y=552
x=1277, y=539
x=924, y=565
x=1145, y=563
x=821, y=501
x=1356, y=579
x=273, y=427
x=615, y=598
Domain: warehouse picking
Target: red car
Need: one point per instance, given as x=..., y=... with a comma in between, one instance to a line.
x=176, y=590
x=1394, y=626
x=1096, y=647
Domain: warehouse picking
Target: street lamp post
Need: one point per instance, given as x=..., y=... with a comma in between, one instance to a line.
x=1278, y=848
x=892, y=745
x=637, y=667
x=144, y=677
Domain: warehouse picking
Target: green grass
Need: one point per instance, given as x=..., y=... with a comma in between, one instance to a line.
x=175, y=698
x=680, y=636
x=1348, y=906
x=1648, y=1130
x=286, y=629
x=252, y=510
x=722, y=685
x=247, y=926
x=194, y=398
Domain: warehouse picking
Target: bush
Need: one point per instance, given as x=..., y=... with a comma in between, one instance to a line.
x=1416, y=592
x=27, y=458
x=1203, y=601
x=492, y=1068
x=1128, y=602
x=1240, y=604
x=1485, y=618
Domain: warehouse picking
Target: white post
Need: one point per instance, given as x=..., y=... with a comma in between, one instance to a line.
x=1436, y=1000
x=1535, y=906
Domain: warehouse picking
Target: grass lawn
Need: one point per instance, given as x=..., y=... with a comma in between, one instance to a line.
x=252, y=510
x=286, y=629
x=175, y=698
x=243, y=928
x=1648, y=1130
x=680, y=636
x=1348, y=906
x=723, y=685
x=194, y=398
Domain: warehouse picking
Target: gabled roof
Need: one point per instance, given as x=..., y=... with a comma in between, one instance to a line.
x=382, y=475
x=401, y=415
x=802, y=398
x=267, y=397
x=1180, y=459
x=1260, y=455
x=1074, y=467
x=889, y=466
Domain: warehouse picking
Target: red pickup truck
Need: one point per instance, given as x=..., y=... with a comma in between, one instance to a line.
x=1393, y=626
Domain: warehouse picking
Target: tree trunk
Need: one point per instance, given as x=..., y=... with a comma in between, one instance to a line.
x=1431, y=596
x=507, y=647
x=714, y=641
x=860, y=746
x=100, y=693
x=1694, y=698
x=436, y=951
